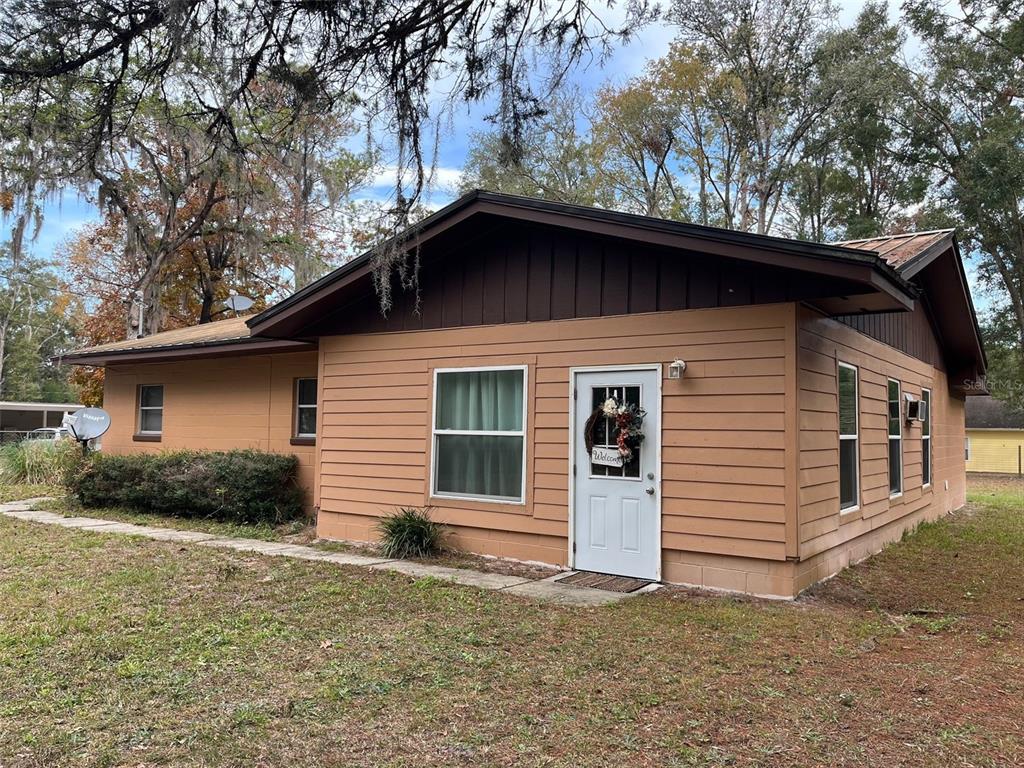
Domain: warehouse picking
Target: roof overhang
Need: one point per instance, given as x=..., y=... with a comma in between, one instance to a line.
x=884, y=288
x=941, y=274
x=10, y=405
x=228, y=348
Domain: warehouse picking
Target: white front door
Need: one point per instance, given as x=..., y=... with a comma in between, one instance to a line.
x=615, y=520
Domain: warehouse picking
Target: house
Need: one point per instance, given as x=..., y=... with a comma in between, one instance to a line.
x=995, y=437
x=803, y=403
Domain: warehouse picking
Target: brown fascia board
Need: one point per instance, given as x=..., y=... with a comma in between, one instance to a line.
x=232, y=348
x=930, y=254
x=951, y=304
x=849, y=263
x=965, y=288
x=927, y=256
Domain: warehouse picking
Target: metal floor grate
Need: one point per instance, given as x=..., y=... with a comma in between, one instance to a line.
x=604, y=581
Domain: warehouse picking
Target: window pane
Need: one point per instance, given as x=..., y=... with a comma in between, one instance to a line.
x=606, y=434
x=926, y=401
x=847, y=401
x=307, y=392
x=895, y=481
x=894, y=408
x=306, y=421
x=847, y=473
x=152, y=396
x=480, y=465
x=480, y=400
x=926, y=461
x=151, y=420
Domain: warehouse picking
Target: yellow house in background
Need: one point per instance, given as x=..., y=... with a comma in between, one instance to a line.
x=994, y=437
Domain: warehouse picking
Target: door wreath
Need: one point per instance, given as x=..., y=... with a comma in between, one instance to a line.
x=628, y=419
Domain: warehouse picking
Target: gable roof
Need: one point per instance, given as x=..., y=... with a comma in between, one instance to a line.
x=882, y=267
x=859, y=265
x=986, y=412
x=190, y=341
x=908, y=252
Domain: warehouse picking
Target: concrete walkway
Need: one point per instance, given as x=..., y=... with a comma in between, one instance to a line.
x=547, y=590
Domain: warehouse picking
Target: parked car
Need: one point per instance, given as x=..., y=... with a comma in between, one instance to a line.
x=49, y=433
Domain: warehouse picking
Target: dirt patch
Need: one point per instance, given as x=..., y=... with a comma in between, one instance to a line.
x=990, y=482
x=503, y=566
x=447, y=558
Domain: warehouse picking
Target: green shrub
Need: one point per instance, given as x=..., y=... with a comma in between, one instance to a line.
x=39, y=462
x=410, y=532
x=234, y=486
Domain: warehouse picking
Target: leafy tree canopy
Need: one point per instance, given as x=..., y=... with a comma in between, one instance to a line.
x=97, y=61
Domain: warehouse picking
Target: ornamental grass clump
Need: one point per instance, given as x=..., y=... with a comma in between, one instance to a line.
x=39, y=462
x=410, y=532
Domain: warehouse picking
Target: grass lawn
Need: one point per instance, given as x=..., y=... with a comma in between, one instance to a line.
x=263, y=531
x=120, y=651
x=24, y=491
x=294, y=532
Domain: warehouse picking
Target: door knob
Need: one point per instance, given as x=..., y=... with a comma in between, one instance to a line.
x=650, y=491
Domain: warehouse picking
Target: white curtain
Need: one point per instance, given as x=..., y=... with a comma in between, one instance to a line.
x=480, y=464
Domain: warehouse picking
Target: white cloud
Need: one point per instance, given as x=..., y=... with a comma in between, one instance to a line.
x=441, y=177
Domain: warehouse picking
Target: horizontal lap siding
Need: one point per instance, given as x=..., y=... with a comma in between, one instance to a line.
x=723, y=425
x=996, y=451
x=234, y=402
x=821, y=344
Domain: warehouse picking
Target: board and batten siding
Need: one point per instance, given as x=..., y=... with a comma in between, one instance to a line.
x=724, y=486
x=829, y=539
x=214, y=404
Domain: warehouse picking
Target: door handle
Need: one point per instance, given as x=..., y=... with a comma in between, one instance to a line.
x=650, y=491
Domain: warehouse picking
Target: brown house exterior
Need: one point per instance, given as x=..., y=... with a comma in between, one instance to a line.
x=769, y=463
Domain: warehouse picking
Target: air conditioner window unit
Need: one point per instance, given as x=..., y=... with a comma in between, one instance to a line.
x=916, y=410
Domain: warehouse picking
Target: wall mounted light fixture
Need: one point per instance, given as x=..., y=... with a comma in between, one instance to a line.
x=675, y=370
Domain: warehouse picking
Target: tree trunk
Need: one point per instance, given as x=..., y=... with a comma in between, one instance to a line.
x=3, y=353
x=17, y=243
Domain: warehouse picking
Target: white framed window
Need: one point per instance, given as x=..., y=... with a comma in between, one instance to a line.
x=849, y=438
x=926, y=438
x=151, y=409
x=895, y=439
x=305, y=408
x=479, y=434
x=967, y=449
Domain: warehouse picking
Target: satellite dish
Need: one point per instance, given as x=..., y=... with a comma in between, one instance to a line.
x=239, y=303
x=87, y=423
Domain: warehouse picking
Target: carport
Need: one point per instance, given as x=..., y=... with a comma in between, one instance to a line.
x=18, y=419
